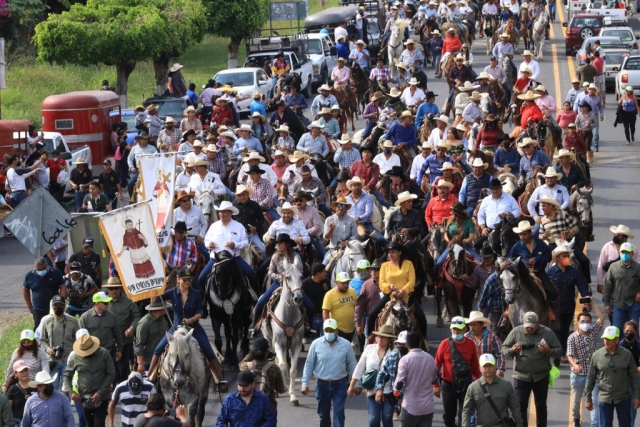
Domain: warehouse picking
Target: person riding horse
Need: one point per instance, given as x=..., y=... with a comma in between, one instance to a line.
x=405, y=220
x=401, y=184
x=459, y=230
x=535, y=254
x=280, y=69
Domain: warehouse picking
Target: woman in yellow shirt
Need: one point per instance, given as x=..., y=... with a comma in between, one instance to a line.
x=397, y=280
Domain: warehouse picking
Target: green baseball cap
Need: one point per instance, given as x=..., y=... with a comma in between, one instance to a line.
x=458, y=323
x=101, y=297
x=611, y=333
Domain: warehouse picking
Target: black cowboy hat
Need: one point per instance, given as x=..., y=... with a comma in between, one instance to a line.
x=301, y=194
x=187, y=133
x=586, y=104
x=396, y=171
x=255, y=168
x=376, y=265
x=284, y=237
x=181, y=226
x=459, y=208
x=505, y=137
x=495, y=183
x=487, y=252
x=395, y=245
x=430, y=94
x=185, y=273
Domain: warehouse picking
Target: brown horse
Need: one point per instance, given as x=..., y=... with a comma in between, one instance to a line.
x=510, y=30
x=524, y=28
x=428, y=125
x=347, y=104
x=360, y=83
x=534, y=182
x=501, y=97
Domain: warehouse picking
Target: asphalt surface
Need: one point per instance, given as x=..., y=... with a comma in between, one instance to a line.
x=615, y=175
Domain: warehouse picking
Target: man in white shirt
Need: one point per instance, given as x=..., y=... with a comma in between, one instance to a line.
x=183, y=178
x=255, y=159
x=203, y=180
x=418, y=160
x=192, y=216
x=142, y=147
x=387, y=159
x=292, y=175
x=439, y=133
x=552, y=190
x=341, y=30
x=530, y=64
x=287, y=224
x=496, y=207
x=16, y=178
x=413, y=95
x=472, y=112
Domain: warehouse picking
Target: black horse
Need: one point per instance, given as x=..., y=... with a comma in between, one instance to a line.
x=502, y=238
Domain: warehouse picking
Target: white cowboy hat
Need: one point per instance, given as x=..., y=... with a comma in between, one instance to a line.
x=80, y=161
x=527, y=141
x=199, y=162
x=388, y=144
x=189, y=108
x=413, y=81
x=427, y=145
x=42, y=378
x=170, y=119
x=176, y=67
x=527, y=70
x=229, y=134
x=315, y=124
x=476, y=316
x=550, y=201
x=621, y=229
x=362, y=43
x=278, y=153
x=198, y=143
x=189, y=159
x=435, y=32
x=443, y=118
x=227, y=206
x=345, y=138
x=242, y=188
x=257, y=114
x=475, y=96
x=410, y=41
x=504, y=36
x=283, y=128
x=477, y=162
x=551, y=173
x=335, y=107
x=527, y=53
x=245, y=127
x=447, y=166
x=565, y=153
x=460, y=56
x=341, y=37
x=404, y=196
x=297, y=155
x=461, y=127
x=523, y=226
x=443, y=144
x=562, y=249
x=211, y=148
x=355, y=180
x=467, y=86
x=483, y=75
x=394, y=92
x=224, y=98
x=286, y=206
x=323, y=87
x=593, y=86
x=540, y=88
x=254, y=155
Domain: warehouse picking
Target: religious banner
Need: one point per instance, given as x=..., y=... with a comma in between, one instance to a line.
x=158, y=173
x=131, y=237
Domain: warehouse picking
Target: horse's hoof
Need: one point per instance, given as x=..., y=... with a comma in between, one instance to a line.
x=440, y=322
x=295, y=403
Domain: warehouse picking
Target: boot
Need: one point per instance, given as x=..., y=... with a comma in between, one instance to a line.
x=590, y=157
x=216, y=371
x=153, y=368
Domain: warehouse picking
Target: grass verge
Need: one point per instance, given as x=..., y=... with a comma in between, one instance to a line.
x=11, y=337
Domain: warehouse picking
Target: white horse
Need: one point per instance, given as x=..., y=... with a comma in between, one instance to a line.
x=354, y=252
x=206, y=204
x=395, y=45
x=286, y=328
x=537, y=36
x=388, y=212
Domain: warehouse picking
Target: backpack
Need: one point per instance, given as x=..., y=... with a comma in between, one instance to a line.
x=262, y=380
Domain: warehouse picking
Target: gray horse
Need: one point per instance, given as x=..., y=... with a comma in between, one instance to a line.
x=184, y=378
x=521, y=293
x=285, y=329
x=354, y=252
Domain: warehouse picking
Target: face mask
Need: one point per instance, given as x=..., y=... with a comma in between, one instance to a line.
x=58, y=311
x=456, y=337
x=41, y=273
x=617, y=240
x=48, y=390
x=387, y=152
x=27, y=347
x=625, y=256
x=629, y=336
x=330, y=336
x=55, y=159
x=585, y=327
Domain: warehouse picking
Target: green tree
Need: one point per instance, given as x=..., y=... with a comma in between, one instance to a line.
x=237, y=20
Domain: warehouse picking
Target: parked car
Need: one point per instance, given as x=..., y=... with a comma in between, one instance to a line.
x=588, y=43
x=322, y=51
x=626, y=36
x=629, y=75
x=581, y=27
x=246, y=81
x=129, y=117
x=615, y=57
x=172, y=106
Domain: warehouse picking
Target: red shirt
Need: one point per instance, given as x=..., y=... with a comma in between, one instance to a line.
x=564, y=118
x=531, y=111
x=55, y=167
x=451, y=44
x=575, y=141
x=598, y=64
x=222, y=117
x=439, y=209
x=369, y=174
x=468, y=351
x=488, y=137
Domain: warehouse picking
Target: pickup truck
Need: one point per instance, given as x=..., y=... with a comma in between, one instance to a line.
x=323, y=54
x=629, y=75
x=615, y=16
x=56, y=141
x=296, y=51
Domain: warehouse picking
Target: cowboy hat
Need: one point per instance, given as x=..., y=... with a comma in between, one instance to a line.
x=405, y=113
x=446, y=166
x=467, y=86
x=396, y=171
x=413, y=81
x=477, y=162
x=442, y=118
x=362, y=43
x=476, y=316
x=551, y=173
x=526, y=70
x=527, y=141
x=257, y=95
x=255, y=169
x=224, y=98
x=339, y=60
x=387, y=144
x=443, y=144
x=227, y=206
x=157, y=304
x=176, y=67
x=113, y=282
x=211, y=148
x=376, y=96
x=550, y=201
x=43, y=378
x=242, y=188
x=182, y=194
x=189, y=108
x=325, y=110
x=283, y=128
x=278, y=153
x=540, y=88
x=394, y=92
x=297, y=155
x=523, y=226
x=593, y=86
x=404, y=197
x=385, y=331
x=170, y=119
x=435, y=32
x=562, y=249
x=504, y=36
x=335, y=107
x=475, y=96
x=340, y=201
x=181, y=227
x=222, y=128
x=84, y=346
x=200, y=162
x=152, y=107
x=301, y=194
x=459, y=208
x=483, y=75
x=426, y=146
x=460, y=57
x=354, y=180
x=254, y=155
x=138, y=108
x=587, y=105
x=285, y=238
x=621, y=229
x=286, y=206
x=408, y=42
x=187, y=134
x=323, y=87
x=257, y=114
x=345, y=138
x=443, y=183
x=80, y=161
x=565, y=153
x=401, y=65
x=198, y=144
x=315, y=124
x=229, y=134
x=245, y=128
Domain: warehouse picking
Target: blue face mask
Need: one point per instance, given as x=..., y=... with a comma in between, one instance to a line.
x=457, y=337
x=330, y=336
x=625, y=256
x=387, y=151
x=41, y=273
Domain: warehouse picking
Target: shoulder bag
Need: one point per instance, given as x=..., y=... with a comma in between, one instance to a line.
x=368, y=380
x=462, y=376
x=509, y=422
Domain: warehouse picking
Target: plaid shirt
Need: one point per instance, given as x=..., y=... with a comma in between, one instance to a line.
x=171, y=139
x=217, y=166
x=187, y=124
x=581, y=347
x=287, y=143
x=379, y=74
x=261, y=193
x=388, y=371
x=556, y=225
x=346, y=158
x=491, y=294
x=486, y=88
x=369, y=111
x=478, y=278
x=310, y=218
x=369, y=174
x=456, y=181
x=490, y=343
x=180, y=252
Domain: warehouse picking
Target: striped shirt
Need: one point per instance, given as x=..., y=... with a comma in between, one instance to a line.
x=181, y=252
x=581, y=347
x=132, y=405
x=346, y=158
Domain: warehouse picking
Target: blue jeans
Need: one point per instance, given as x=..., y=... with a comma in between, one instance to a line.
x=436, y=62
x=59, y=369
x=552, y=10
x=274, y=80
x=443, y=257
x=75, y=311
x=377, y=237
x=79, y=195
x=198, y=333
x=16, y=198
x=264, y=298
x=319, y=247
x=621, y=316
x=80, y=411
x=326, y=394
x=623, y=410
x=578, y=382
x=255, y=240
x=132, y=181
x=368, y=127
x=229, y=193
x=379, y=412
x=316, y=325
x=274, y=213
x=596, y=134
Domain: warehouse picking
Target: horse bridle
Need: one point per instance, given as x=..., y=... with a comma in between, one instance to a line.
x=508, y=265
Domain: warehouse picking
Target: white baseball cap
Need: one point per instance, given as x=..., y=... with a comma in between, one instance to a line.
x=330, y=324
x=487, y=359
x=402, y=337
x=27, y=334
x=343, y=277
x=81, y=332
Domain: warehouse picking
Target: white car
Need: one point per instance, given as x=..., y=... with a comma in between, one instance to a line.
x=246, y=81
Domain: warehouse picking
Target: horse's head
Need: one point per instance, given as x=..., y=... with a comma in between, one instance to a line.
x=436, y=242
x=355, y=251
x=508, y=278
x=205, y=202
x=292, y=282
x=224, y=273
x=457, y=261
x=402, y=317
x=177, y=362
x=584, y=205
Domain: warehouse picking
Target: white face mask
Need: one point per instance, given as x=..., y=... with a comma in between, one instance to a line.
x=585, y=327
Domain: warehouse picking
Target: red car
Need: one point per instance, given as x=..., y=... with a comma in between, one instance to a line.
x=582, y=26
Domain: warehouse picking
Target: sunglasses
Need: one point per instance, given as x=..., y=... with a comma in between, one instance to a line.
x=341, y=206
x=298, y=200
x=442, y=150
x=457, y=322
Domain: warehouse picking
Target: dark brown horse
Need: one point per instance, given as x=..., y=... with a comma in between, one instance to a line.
x=359, y=81
x=347, y=104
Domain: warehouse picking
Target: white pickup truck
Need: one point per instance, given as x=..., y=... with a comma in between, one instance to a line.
x=56, y=141
x=629, y=75
x=612, y=16
x=322, y=51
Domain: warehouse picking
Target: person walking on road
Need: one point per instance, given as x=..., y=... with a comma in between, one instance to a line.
x=48, y=407
x=149, y=332
x=332, y=362
x=490, y=397
x=532, y=345
x=621, y=292
x=247, y=406
x=132, y=394
x=40, y=285
x=340, y=304
x=615, y=370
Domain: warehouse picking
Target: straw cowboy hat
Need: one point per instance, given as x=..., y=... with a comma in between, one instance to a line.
x=245, y=128
x=198, y=143
x=227, y=206
x=483, y=75
x=223, y=98
x=86, y=345
x=527, y=53
x=242, y=188
x=278, y=153
x=551, y=173
x=443, y=183
x=408, y=42
x=566, y=153
x=562, y=249
x=284, y=128
x=362, y=43
x=323, y=87
x=385, y=331
x=257, y=114
x=401, y=65
x=467, y=86
x=443, y=144
x=477, y=162
x=80, y=161
x=550, y=201
x=405, y=196
x=523, y=226
x=176, y=67
x=340, y=201
x=526, y=70
x=170, y=119
x=540, y=88
x=388, y=144
x=201, y=162
x=189, y=108
x=475, y=96
x=345, y=138
x=504, y=36
x=315, y=124
x=297, y=155
x=405, y=113
x=476, y=316
x=376, y=96
x=621, y=229
x=447, y=166
x=325, y=110
x=527, y=141
x=355, y=180
x=286, y=206
x=152, y=107
x=229, y=134
x=43, y=378
x=460, y=57
x=254, y=155
x=257, y=95
x=394, y=92
x=183, y=194
x=211, y=148
x=113, y=283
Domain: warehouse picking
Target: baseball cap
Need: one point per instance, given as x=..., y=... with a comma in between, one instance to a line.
x=57, y=299
x=88, y=241
x=402, y=337
x=75, y=266
x=530, y=319
x=81, y=332
x=487, y=359
x=363, y=264
x=330, y=324
x=27, y=334
x=627, y=247
x=101, y=297
x=135, y=383
x=458, y=323
x=245, y=378
x=611, y=333
x=19, y=366
x=343, y=277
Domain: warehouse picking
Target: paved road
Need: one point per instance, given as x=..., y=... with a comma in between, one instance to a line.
x=615, y=175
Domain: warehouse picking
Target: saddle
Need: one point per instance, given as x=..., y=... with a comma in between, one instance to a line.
x=269, y=314
x=384, y=314
x=458, y=284
x=333, y=258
